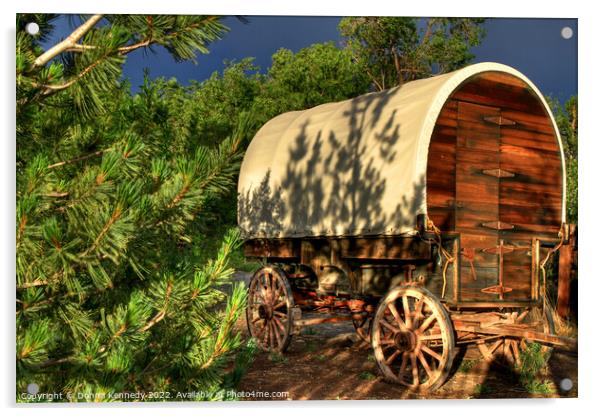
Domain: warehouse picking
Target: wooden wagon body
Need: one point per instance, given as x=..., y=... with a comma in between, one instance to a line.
x=425, y=214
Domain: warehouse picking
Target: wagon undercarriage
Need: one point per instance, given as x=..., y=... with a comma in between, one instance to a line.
x=413, y=334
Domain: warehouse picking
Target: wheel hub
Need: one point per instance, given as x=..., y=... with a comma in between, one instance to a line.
x=405, y=341
x=264, y=312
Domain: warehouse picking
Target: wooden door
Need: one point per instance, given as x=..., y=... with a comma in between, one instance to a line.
x=477, y=199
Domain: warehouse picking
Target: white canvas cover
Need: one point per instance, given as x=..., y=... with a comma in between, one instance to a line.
x=355, y=167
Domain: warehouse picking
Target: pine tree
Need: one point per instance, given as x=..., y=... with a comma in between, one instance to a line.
x=111, y=296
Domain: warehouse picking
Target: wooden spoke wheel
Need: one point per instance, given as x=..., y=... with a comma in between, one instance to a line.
x=269, y=309
x=412, y=338
x=507, y=350
x=362, y=328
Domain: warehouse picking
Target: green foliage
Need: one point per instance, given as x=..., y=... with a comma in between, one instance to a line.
x=367, y=375
x=482, y=389
x=315, y=75
x=533, y=361
x=467, y=366
x=278, y=358
x=90, y=65
x=394, y=50
x=566, y=117
x=114, y=290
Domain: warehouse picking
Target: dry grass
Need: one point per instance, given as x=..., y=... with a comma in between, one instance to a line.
x=562, y=326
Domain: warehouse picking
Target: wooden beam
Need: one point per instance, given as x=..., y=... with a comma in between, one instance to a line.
x=271, y=248
x=389, y=248
x=517, y=331
x=326, y=320
x=565, y=265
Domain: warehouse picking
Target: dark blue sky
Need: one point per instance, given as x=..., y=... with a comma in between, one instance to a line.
x=533, y=46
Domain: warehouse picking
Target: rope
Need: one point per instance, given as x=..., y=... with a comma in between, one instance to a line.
x=450, y=259
x=469, y=254
x=442, y=252
x=543, y=264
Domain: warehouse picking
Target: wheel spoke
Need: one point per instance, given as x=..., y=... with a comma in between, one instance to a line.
x=427, y=323
x=271, y=278
x=389, y=360
x=398, y=319
x=387, y=325
x=404, y=363
x=263, y=293
x=424, y=363
x=431, y=352
x=418, y=308
x=279, y=324
x=496, y=345
x=508, y=351
x=431, y=337
x=279, y=305
x=515, y=351
x=282, y=314
x=280, y=290
x=387, y=341
x=266, y=333
x=406, y=311
x=271, y=329
x=276, y=333
x=260, y=330
x=415, y=379
x=266, y=336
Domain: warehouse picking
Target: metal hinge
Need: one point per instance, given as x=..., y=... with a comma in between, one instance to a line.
x=497, y=290
x=499, y=120
x=498, y=173
x=497, y=225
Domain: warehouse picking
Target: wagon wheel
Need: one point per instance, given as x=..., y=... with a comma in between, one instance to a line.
x=363, y=327
x=269, y=309
x=412, y=338
x=507, y=350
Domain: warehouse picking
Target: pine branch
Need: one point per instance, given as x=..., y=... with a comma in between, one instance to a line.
x=77, y=159
x=180, y=195
x=105, y=229
x=69, y=42
x=49, y=89
x=41, y=282
x=21, y=229
x=122, y=50
x=78, y=47
x=161, y=314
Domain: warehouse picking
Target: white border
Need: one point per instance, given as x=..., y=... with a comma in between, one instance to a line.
x=589, y=32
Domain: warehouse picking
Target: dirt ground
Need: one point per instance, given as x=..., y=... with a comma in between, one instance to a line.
x=329, y=362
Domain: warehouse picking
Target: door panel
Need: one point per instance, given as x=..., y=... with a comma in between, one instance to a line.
x=477, y=199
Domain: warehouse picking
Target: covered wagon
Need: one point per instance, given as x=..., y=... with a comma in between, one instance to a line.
x=425, y=214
